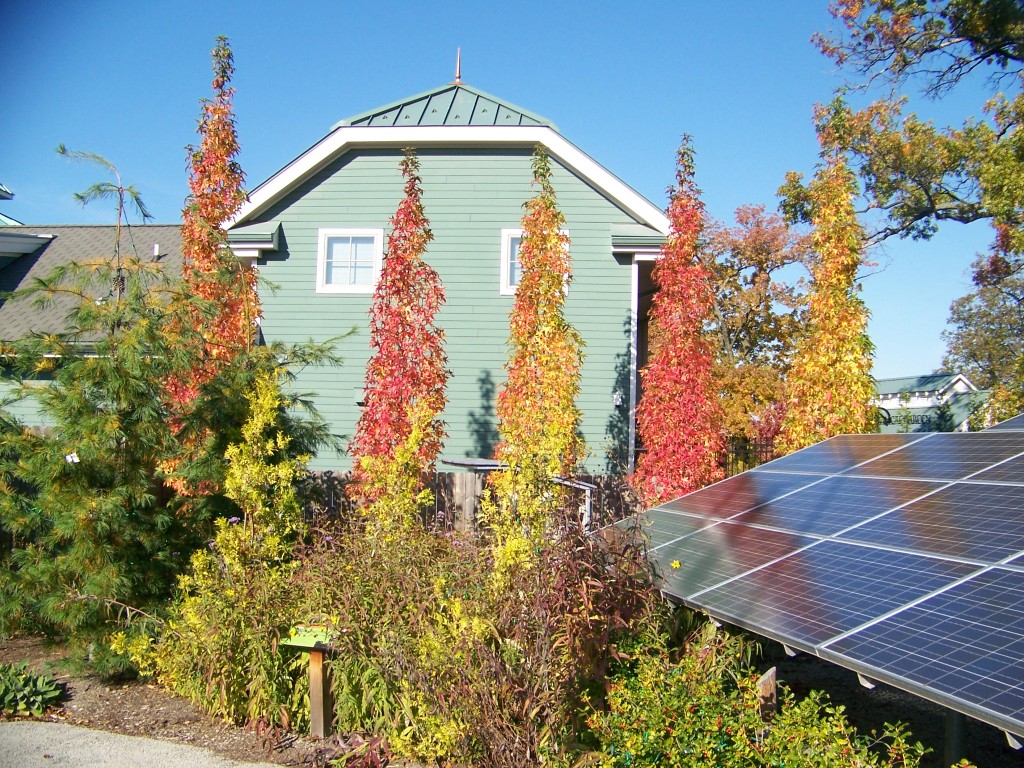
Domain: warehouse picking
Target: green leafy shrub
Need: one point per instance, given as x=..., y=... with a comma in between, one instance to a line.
x=219, y=646
x=703, y=710
x=23, y=692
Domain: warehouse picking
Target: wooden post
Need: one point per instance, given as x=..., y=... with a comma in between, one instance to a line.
x=317, y=711
x=766, y=695
x=467, y=488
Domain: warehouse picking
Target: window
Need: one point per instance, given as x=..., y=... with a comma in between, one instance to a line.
x=349, y=260
x=511, y=270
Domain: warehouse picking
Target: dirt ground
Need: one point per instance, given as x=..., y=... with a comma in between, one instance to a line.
x=141, y=709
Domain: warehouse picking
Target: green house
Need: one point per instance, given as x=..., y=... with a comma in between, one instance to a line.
x=317, y=231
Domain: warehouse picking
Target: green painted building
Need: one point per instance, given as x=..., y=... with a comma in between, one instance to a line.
x=317, y=230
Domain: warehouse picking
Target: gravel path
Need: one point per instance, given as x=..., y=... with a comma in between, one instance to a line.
x=25, y=744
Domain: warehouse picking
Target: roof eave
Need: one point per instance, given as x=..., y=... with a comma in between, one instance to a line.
x=346, y=138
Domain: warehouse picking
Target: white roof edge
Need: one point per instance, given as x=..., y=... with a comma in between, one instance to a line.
x=347, y=137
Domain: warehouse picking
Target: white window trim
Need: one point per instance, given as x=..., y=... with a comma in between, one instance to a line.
x=324, y=233
x=504, y=288
x=506, y=257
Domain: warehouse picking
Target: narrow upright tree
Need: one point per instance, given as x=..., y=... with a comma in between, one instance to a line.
x=221, y=297
x=679, y=418
x=538, y=420
x=407, y=371
x=829, y=384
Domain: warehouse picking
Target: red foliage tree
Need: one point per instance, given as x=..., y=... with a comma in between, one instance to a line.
x=407, y=371
x=220, y=291
x=679, y=418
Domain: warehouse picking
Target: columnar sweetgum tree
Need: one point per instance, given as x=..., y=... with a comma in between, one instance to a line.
x=400, y=432
x=679, y=418
x=537, y=415
x=221, y=290
x=829, y=384
x=218, y=292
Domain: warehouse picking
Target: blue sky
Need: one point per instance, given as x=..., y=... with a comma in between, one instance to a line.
x=621, y=81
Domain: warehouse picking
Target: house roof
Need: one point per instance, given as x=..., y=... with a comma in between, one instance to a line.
x=42, y=248
x=5, y=193
x=960, y=404
x=932, y=382
x=452, y=104
x=454, y=129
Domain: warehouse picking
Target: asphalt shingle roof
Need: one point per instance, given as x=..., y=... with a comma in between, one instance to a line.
x=20, y=317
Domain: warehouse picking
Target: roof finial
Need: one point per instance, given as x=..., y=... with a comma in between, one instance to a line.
x=458, y=66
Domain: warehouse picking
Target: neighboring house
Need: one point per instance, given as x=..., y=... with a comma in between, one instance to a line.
x=318, y=229
x=6, y=194
x=28, y=254
x=930, y=403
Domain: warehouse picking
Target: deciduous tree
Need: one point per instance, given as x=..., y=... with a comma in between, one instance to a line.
x=986, y=332
x=407, y=371
x=829, y=384
x=221, y=290
x=757, y=269
x=538, y=420
x=679, y=418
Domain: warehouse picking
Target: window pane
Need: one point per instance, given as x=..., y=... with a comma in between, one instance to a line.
x=514, y=268
x=350, y=260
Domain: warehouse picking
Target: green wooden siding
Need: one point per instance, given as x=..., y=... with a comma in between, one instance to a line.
x=469, y=196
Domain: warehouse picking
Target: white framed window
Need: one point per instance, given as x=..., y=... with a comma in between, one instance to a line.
x=348, y=260
x=511, y=270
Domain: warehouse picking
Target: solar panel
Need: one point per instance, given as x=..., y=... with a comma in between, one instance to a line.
x=1017, y=422
x=900, y=556
x=964, y=646
x=829, y=588
x=835, y=503
x=740, y=493
x=966, y=520
x=719, y=553
x=839, y=453
x=946, y=456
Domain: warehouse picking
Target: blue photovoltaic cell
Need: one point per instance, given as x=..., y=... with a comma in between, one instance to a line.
x=738, y=494
x=661, y=527
x=839, y=453
x=946, y=456
x=966, y=643
x=827, y=589
x=1017, y=422
x=1011, y=471
x=836, y=503
x=718, y=553
x=966, y=520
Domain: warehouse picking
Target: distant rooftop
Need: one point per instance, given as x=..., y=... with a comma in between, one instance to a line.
x=931, y=382
x=452, y=104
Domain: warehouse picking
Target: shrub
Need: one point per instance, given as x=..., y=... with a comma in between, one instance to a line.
x=703, y=710
x=23, y=692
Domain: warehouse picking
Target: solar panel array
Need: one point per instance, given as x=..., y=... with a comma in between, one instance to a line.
x=898, y=556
